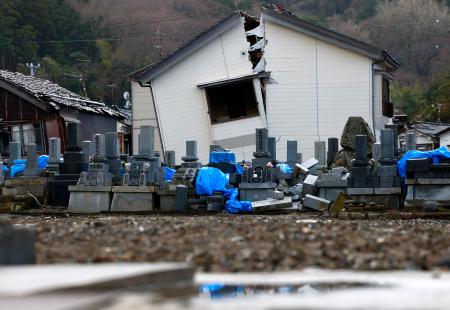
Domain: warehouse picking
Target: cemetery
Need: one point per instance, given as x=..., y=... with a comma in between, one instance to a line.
x=337, y=210
x=92, y=177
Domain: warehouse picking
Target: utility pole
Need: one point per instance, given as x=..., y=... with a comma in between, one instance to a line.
x=159, y=41
x=112, y=86
x=33, y=68
x=439, y=115
x=83, y=74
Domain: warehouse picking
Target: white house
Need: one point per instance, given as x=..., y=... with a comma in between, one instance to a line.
x=297, y=79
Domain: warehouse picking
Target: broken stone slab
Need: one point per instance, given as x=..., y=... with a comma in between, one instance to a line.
x=272, y=204
x=310, y=184
x=316, y=203
x=278, y=195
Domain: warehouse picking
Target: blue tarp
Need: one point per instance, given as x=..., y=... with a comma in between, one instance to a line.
x=168, y=174
x=5, y=169
x=222, y=157
x=285, y=168
x=435, y=156
x=42, y=162
x=18, y=167
x=210, y=180
x=218, y=157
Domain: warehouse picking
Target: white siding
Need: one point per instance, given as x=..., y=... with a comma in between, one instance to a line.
x=237, y=129
x=445, y=139
x=380, y=120
x=316, y=87
x=143, y=114
x=181, y=106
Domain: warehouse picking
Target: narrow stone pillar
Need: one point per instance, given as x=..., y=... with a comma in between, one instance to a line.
x=320, y=152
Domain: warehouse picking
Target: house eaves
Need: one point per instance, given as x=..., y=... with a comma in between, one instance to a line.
x=293, y=22
x=146, y=74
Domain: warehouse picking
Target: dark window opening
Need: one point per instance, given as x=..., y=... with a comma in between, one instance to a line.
x=232, y=102
x=387, y=106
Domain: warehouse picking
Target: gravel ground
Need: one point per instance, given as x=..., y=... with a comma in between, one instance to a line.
x=225, y=243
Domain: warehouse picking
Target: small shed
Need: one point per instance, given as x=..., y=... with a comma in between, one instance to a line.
x=32, y=110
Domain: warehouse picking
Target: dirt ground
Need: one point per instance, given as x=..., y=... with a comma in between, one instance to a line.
x=226, y=243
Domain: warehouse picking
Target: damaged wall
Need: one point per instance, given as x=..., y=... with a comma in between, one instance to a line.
x=181, y=105
x=315, y=87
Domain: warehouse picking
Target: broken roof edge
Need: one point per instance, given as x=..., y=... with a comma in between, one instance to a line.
x=292, y=21
x=234, y=80
x=146, y=74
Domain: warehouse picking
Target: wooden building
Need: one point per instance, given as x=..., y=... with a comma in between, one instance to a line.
x=32, y=110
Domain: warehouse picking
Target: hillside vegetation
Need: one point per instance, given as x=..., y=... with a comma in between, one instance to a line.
x=118, y=37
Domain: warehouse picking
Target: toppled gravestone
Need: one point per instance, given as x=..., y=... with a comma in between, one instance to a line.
x=16, y=244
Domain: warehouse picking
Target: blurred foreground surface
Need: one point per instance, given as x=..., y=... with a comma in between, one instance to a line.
x=225, y=243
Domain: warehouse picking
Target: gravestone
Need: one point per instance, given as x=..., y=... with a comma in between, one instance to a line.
x=376, y=152
x=333, y=149
x=54, y=154
x=299, y=158
x=112, y=153
x=262, y=140
x=169, y=159
x=17, y=244
x=181, y=198
x=291, y=152
x=15, y=151
x=410, y=141
x=69, y=170
x=147, y=141
x=394, y=127
x=320, y=152
x=31, y=169
x=98, y=173
x=88, y=150
x=273, y=148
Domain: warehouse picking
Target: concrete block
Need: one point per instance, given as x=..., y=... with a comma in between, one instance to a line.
x=386, y=182
x=360, y=172
x=316, y=203
x=278, y=195
x=387, y=171
x=181, y=198
x=133, y=199
x=272, y=204
x=89, y=199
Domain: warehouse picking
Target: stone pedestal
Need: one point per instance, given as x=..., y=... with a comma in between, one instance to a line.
x=90, y=199
x=16, y=244
x=133, y=199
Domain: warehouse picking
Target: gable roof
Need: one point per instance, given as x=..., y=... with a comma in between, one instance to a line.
x=273, y=14
x=431, y=129
x=282, y=17
x=50, y=96
x=149, y=72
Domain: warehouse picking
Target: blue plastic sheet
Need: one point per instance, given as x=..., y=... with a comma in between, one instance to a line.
x=42, y=162
x=285, y=168
x=225, y=157
x=5, y=169
x=222, y=157
x=18, y=167
x=436, y=156
x=236, y=207
x=168, y=174
x=210, y=180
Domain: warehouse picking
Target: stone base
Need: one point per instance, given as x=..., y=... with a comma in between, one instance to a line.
x=167, y=199
x=37, y=186
x=426, y=194
x=390, y=201
x=16, y=244
x=90, y=199
x=331, y=193
x=58, y=189
x=133, y=199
